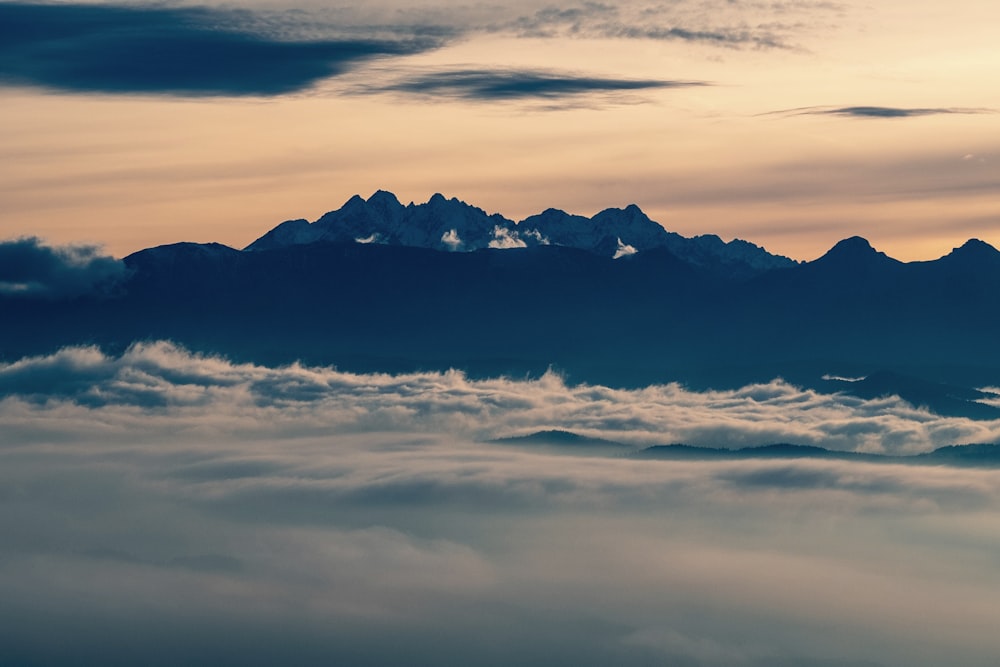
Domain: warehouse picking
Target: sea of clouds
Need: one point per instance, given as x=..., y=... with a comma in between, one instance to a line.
x=161, y=507
x=165, y=389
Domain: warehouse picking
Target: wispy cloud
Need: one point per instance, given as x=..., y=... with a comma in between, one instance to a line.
x=135, y=49
x=880, y=112
x=655, y=22
x=498, y=84
x=159, y=382
x=729, y=37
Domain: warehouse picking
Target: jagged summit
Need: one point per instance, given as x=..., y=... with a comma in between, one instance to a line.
x=453, y=225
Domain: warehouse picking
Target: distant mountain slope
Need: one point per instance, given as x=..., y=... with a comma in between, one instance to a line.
x=986, y=456
x=567, y=442
x=452, y=225
x=556, y=441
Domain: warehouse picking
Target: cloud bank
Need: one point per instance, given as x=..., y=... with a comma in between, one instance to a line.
x=161, y=384
x=259, y=516
x=28, y=267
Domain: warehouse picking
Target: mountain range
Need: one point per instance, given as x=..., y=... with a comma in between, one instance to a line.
x=453, y=225
x=613, y=299
x=567, y=442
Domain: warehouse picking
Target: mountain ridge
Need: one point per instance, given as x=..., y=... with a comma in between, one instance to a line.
x=567, y=442
x=607, y=316
x=454, y=225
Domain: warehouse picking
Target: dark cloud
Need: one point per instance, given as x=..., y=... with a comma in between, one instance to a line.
x=520, y=84
x=28, y=267
x=213, y=51
x=172, y=50
x=880, y=112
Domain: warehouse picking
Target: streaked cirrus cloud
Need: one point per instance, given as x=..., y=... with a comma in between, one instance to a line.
x=705, y=22
x=506, y=84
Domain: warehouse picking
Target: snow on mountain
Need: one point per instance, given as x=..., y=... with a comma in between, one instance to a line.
x=453, y=225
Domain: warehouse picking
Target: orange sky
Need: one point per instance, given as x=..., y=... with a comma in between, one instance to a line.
x=134, y=170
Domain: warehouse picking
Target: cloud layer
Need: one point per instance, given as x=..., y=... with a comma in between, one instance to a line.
x=261, y=516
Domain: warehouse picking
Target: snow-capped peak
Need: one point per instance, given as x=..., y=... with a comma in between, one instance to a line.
x=453, y=225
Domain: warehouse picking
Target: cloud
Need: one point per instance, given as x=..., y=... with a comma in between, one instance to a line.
x=881, y=112
x=28, y=267
x=721, y=37
x=505, y=238
x=162, y=507
x=167, y=545
x=219, y=51
x=711, y=23
x=128, y=49
x=490, y=85
x=624, y=250
x=451, y=239
x=160, y=383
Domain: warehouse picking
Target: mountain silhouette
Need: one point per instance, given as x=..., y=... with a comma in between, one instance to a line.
x=453, y=225
x=567, y=442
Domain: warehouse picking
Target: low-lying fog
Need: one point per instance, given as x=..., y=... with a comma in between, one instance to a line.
x=161, y=508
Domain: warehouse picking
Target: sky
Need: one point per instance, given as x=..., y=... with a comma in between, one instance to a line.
x=790, y=124
x=161, y=507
